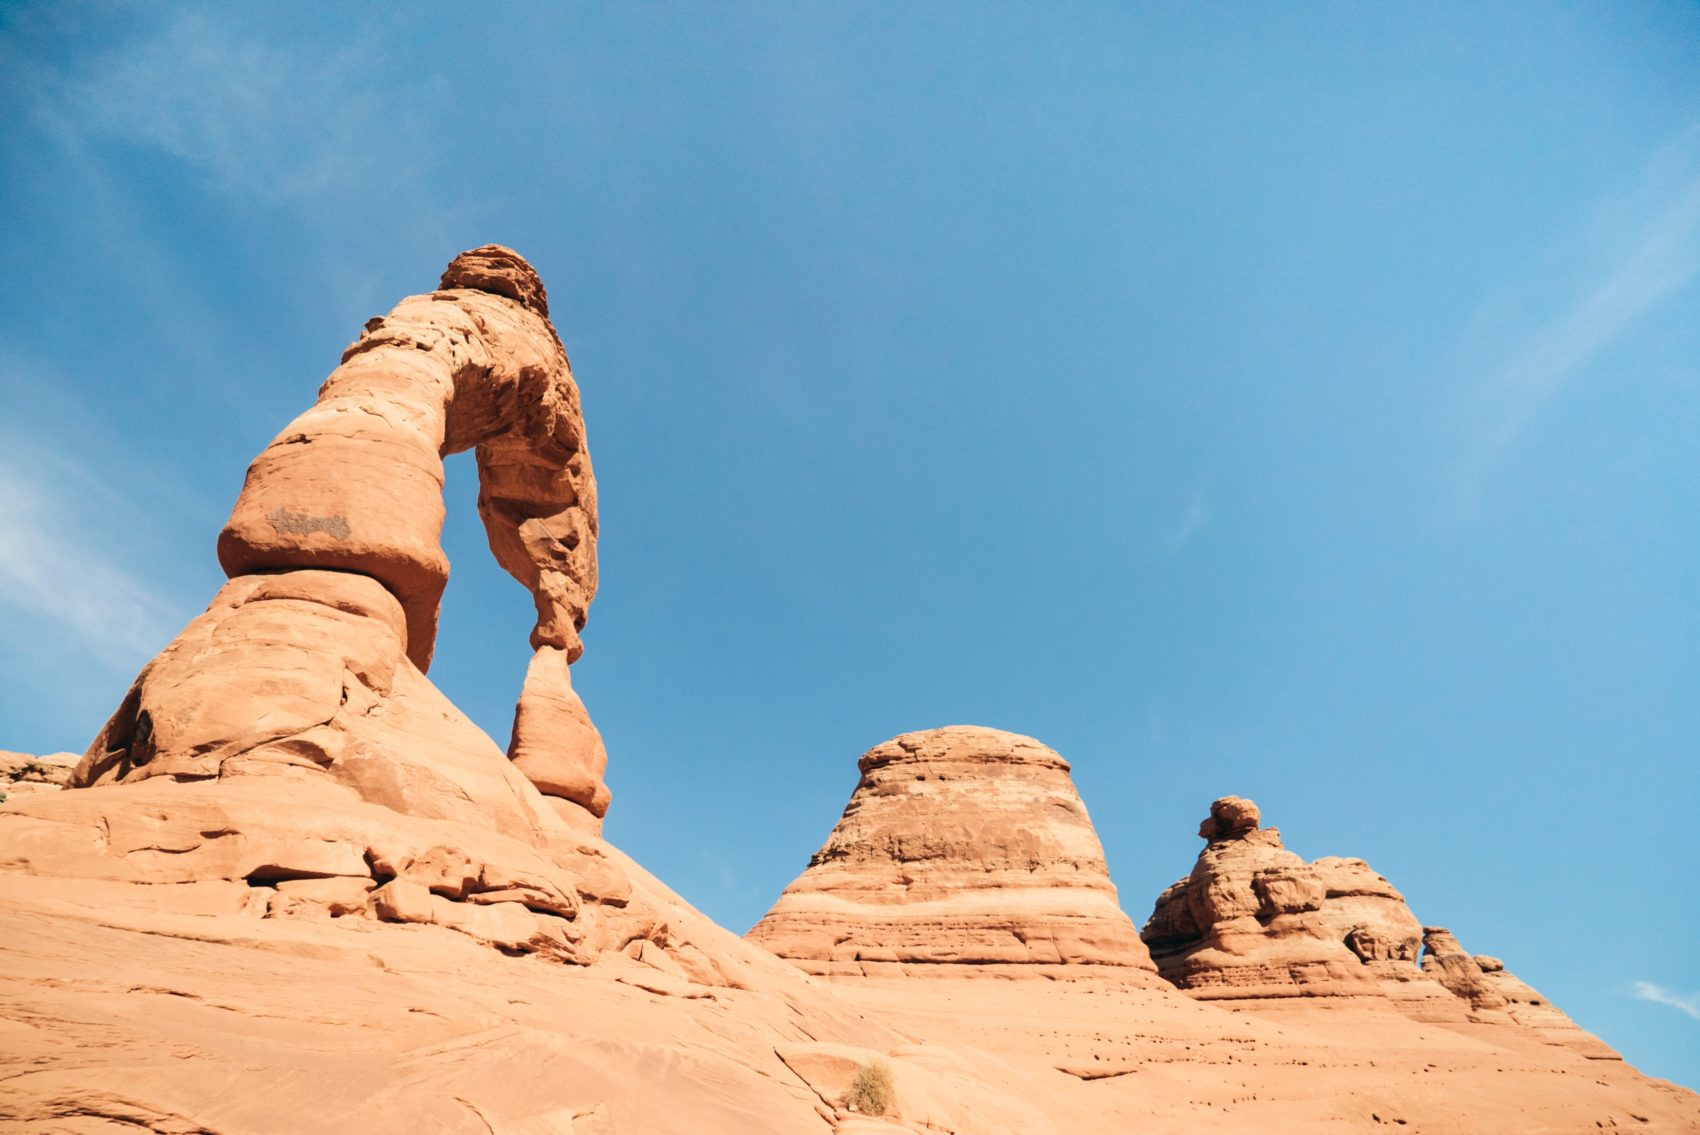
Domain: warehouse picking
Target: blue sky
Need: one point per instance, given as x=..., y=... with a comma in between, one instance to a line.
x=1293, y=401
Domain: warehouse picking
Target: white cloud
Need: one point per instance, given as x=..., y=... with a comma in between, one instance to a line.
x=1647, y=991
x=1196, y=517
x=1653, y=262
x=62, y=562
x=259, y=121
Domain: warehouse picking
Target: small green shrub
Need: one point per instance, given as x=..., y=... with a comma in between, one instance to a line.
x=870, y=1091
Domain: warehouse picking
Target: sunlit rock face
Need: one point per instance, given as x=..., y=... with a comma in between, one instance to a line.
x=336, y=570
x=1254, y=922
x=962, y=846
x=288, y=742
x=290, y=861
x=1248, y=921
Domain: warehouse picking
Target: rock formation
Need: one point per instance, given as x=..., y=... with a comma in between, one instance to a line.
x=1255, y=922
x=25, y=774
x=1364, y=911
x=292, y=888
x=1248, y=921
x=1488, y=987
x=336, y=570
x=961, y=845
x=287, y=742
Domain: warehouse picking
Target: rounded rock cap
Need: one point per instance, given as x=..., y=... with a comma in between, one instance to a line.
x=1230, y=817
x=500, y=271
x=976, y=744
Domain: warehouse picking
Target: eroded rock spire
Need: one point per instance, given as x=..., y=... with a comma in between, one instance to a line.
x=1254, y=923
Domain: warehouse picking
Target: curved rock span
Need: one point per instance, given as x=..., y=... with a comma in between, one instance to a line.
x=286, y=751
x=336, y=569
x=963, y=846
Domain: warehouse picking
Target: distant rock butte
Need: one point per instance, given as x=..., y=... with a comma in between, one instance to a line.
x=1247, y=922
x=1253, y=921
x=961, y=846
x=25, y=774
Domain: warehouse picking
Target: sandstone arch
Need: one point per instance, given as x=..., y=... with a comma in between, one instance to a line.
x=335, y=562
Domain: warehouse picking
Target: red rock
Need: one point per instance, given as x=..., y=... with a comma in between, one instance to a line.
x=23, y=775
x=1247, y=922
x=1254, y=924
x=964, y=846
x=336, y=570
x=295, y=889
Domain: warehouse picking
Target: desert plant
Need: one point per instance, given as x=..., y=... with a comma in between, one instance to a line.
x=870, y=1091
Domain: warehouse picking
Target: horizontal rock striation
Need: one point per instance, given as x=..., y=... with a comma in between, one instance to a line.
x=1248, y=921
x=335, y=567
x=1491, y=990
x=1254, y=922
x=288, y=744
x=961, y=846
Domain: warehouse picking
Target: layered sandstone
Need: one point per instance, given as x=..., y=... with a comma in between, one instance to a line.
x=287, y=746
x=25, y=774
x=1248, y=921
x=960, y=846
x=1490, y=989
x=336, y=570
x=1256, y=923
x=293, y=888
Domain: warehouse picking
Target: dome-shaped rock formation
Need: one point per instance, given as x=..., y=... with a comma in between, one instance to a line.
x=962, y=846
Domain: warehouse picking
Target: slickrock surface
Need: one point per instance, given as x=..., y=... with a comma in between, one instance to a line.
x=293, y=889
x=964, y=846
x=288, y=744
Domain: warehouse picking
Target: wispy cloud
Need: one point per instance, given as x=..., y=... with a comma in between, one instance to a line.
x=1655, y=260
x=62, y=562
x=259, y=121
x=1192, y=521
x=1647, y=991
